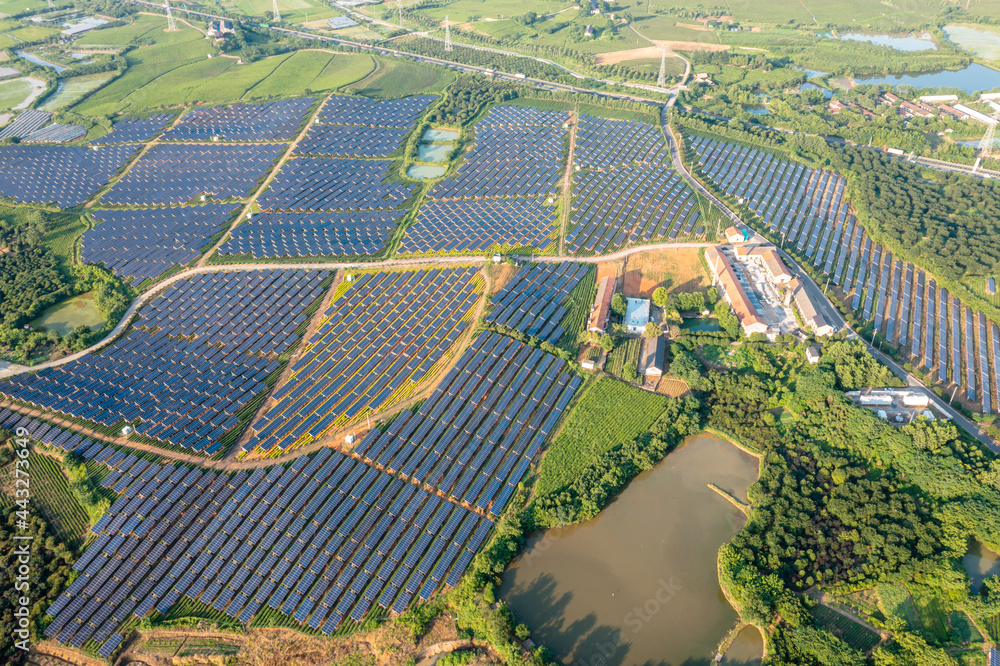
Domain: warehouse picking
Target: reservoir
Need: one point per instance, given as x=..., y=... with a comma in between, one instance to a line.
x=981, y=563
x=638, y=584
x=899, y=42
x=64, y=317
x=425, y=172
x=439, y=135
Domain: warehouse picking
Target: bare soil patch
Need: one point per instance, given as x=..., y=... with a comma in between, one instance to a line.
x=615, y=57
x=678, y=270
x=673, y=387
x=674, y=45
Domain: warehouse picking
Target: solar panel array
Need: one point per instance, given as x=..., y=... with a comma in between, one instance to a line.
x=134, y=130
x=174, y=174
x=806, y=206
x=531, y=302
x=279, y=120
x=196, y=356
x=399, y=113
x=316, y=183
x=312, y=234
x=352, y=141
x=375, y=343
x=323, y=540
x=63, y=175
x=473, y=226
x=41, y=431
x=602, y=143
x=518, y=152
x=144, y=244
x=626, y=205
x=56, y=133
x=476, y=436
x=25, y=123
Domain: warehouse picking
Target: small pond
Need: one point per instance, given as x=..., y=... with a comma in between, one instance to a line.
x=701, y=324
x=424, y=172
x=746, y=650
x=827, y=94
x=904, y=42
x=433, y=152
x=981, y=563
x=30, y=57
x=64, y=317
x=435, y=134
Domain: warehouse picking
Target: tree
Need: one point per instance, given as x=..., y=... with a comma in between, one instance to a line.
x=653, y=330
x=629, y=373
x=686, y=366
x=661, y=296
x=619, y=305
x=607, y=342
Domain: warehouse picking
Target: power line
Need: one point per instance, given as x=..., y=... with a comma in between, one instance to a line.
x=447, y=34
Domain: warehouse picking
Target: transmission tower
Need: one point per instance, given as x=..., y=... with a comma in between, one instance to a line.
x=171, y=24
x=661, y=80
x=399, y=9
x=274, y=10
x=52, y=5
x=987, y=147
x=447, y=34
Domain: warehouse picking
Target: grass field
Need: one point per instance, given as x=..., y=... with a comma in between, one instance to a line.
x=933, y=612
x=993, y=627
x=33, y=33
x=291, y=10
x=401, y=78
x=677, y=270
x=895, y=600
x=609, y=414
x=14, y=92
x=123, y=35
x=857, y=636
x=176, y=70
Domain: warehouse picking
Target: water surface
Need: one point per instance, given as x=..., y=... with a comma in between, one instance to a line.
x=899, y=42
x=64, y=317
x=972, y=78
x=701, y=324
x=430, y=152
x=638, y=584
x=746, y=650
x=30, y=57
x=978, y=40
x=981, y=563
x=439, y=135
x=425, y=172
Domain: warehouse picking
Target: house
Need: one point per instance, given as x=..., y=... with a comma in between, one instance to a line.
x=655, y=350
x=724, y=278
x=220, y=28
x=636, y=315
x=703, y=77
x=836, y=106
x=602, y=306
x=773, y=265
x=734, y=235
x=588, y=31
x=952, y=111
x=814, y=321
x=813, y=354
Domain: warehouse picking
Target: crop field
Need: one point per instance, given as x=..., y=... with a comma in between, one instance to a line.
x=476, y=436
x=361, y=539
x=375, y=343
x=14, y=92
x=806, y=208
x=933, y=612
x=578, y=305
x=677, y=270
x=531, y=302
x=857, y=636
x=51, y=493
x=74, y=89
x=608, y=414
x=625, y=354
x=896, y=600
x=187, y=395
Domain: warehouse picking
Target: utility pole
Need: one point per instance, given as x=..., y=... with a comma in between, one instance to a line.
x=447, y=34
x=952, y=398
x=171, y=24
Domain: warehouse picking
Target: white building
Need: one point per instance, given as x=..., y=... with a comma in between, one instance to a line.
x=636, y=315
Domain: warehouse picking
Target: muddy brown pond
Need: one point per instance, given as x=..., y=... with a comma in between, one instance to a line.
x=638, y=584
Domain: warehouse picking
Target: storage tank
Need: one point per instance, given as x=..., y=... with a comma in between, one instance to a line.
x=916, y=400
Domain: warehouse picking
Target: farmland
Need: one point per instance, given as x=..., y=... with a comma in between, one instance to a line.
x=623, y=412
x=52, y=494
x=854, y=634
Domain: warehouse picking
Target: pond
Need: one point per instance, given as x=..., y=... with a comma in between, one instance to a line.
x=638, y=584
x=64, y=317
x=746, y=650
x=431, y=152
x=899, y=42
x=436, y=134
x=972, y=78
x=981, y=563
x=810, y=73
x=827, y=94
x=30, y=57
x=701, y=324
x=425, y=172
x=978, y=40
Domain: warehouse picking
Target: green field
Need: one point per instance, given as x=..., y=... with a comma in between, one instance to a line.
x=609, y=414
x=401, y=78
x=14, y=92
x=933, y=611
x=857, y=636
x=8, y=7
x=291, y=10
x=50, y=492
x=33, y=33
x=73, y=89
x=896, y=601
x=122, y=35
x=175, y=70
x=626, y=352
